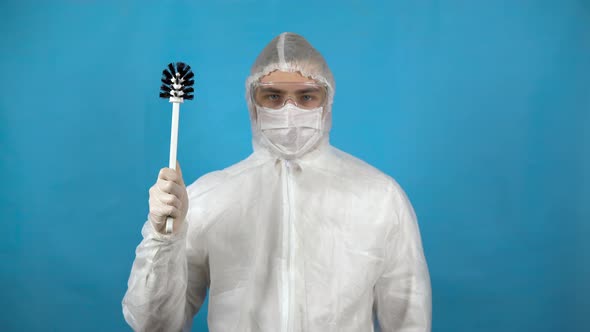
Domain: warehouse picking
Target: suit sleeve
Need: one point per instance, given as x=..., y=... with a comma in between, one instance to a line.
x=403, y=298
x=168, y=281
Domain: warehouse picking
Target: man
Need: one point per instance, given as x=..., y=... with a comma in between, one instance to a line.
x=300, y=236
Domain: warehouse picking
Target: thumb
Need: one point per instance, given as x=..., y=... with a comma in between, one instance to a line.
x=179, y=170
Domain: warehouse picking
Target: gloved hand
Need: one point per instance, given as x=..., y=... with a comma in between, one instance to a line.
x=168, y=197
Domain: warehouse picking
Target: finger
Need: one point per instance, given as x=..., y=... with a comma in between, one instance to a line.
x=157, y=213
x=170, y=211
x=168, y=199
x=161, y=212
x=156, y=220
x=179, y=171
x=156, y=205
x=169, y=174
x=169, y=187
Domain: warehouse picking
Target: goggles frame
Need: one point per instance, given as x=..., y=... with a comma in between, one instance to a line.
x=277, y=104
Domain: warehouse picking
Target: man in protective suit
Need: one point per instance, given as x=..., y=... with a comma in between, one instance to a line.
x=300, y=236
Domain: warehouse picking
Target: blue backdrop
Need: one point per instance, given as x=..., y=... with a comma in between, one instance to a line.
x=480, y=109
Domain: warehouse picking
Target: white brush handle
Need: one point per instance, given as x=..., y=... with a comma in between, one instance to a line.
x=173, y=149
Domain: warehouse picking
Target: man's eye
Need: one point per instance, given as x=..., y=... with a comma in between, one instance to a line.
x=273, y=97
x=307, y=97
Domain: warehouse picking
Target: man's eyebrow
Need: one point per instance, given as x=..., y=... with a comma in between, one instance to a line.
x=307, y=90
x=269, y=89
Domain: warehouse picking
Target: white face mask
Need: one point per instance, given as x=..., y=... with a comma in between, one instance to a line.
x=290, y=130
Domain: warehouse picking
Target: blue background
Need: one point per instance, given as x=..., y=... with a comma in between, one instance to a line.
x=479, y=109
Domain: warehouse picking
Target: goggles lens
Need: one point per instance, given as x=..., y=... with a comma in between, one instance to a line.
x=275, y=95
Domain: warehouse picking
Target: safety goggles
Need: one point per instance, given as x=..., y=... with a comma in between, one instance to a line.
x=274, y=95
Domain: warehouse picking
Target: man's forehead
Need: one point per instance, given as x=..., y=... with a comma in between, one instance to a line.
x=283, y=76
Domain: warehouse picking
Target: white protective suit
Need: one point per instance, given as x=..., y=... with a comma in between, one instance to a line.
x=317, y=242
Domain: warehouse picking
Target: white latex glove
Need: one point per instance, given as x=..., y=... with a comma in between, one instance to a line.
x=168, y=197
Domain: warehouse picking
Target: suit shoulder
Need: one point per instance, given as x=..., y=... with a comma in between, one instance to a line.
x=215, y=179
x=347, y=165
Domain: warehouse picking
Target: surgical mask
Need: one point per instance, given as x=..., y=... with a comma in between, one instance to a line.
x=290, y=130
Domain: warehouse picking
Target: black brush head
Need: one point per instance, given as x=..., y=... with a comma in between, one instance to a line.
x=177, y=79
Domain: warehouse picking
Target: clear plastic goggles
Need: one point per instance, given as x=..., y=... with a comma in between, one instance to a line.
x=274, y=95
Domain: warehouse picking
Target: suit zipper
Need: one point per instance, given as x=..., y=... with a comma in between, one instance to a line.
x=288, y=244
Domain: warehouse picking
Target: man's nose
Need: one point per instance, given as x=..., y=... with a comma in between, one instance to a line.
x=290, y=99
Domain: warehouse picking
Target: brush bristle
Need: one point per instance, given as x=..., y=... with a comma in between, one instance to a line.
x=188, y=76
x=180, y=66
x=171, y=68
